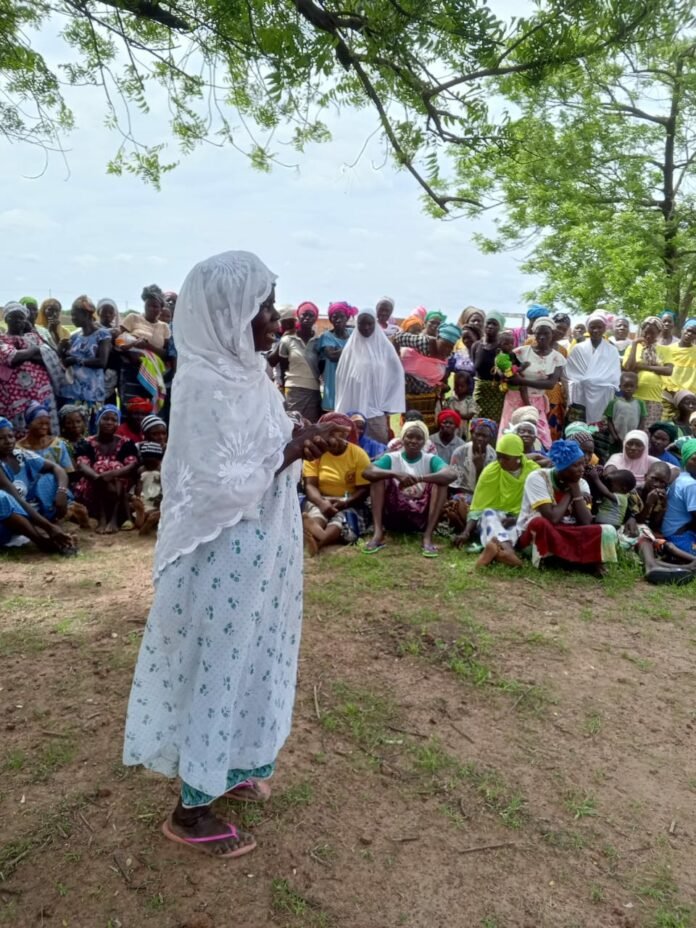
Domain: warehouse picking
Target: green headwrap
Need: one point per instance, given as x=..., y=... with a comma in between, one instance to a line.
x=688, y=450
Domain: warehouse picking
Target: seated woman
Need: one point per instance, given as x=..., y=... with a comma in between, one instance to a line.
x=496, y=503
x=528, y=433
x=469, y=460
x=555, y=518
x=50, y=447
x=372, y=448
x=33, y=494
x=679, y=523
x=73, y=426
x=633, y=457
x=408, y=490
x=108, y=465
x=664, y=562
x=662, y=435
x=131, y=427
x=147, y=493
x=155, y=430
x=446, y=439
x=396, y=444
x=336, y=489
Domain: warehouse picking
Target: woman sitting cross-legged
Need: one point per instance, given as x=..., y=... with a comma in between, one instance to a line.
x=556, y=519
x=372, y=448
x=108, y=464
x=33, y=493
x=496, y=503
x=336, y=490
x=408, y=490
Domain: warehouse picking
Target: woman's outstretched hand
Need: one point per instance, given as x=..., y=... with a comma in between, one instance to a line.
x=315, y=440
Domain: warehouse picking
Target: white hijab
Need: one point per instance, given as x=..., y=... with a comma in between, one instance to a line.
x=369, y=376
x=228, y=428
x=593, y=375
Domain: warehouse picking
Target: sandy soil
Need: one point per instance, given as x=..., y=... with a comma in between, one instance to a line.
x=502, y=751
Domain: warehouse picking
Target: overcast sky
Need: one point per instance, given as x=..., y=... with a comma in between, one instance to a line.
x=329, y=230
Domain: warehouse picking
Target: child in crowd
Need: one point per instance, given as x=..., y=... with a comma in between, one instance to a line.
x=625, y=413
x=603, y=441
x=507, y=364
x=618, y=502
x=462, y=400
x=147, y=494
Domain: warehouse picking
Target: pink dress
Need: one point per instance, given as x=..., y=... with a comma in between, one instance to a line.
x=20, y=385
x=539, y=368
x=91, y=452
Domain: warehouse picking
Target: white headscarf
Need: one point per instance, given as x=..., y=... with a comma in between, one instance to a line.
x=369, y=376
x=228, y=428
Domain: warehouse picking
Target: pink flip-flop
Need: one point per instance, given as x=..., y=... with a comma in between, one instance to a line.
x=250, y=791
x=198, y=844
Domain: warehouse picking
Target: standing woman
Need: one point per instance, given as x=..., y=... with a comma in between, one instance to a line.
x=23, y=374
x=329, y=346
x=473, y=317
x=593, y=370
x=542, y=373
x=299, y=365
x=557, y=395
x=370, y=378
x=487, y=393
x=214, y=684
x=86, y=355
x=143, y=346
x=682, y=357
x=107, y=313
x=649, y=359
x=48, y=318
x=384, y=311
x=621, y=334
x=433, y=321
x=668, y=335
x=424, y=360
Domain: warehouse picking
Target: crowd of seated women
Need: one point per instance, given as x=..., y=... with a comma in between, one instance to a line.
x=539, y=441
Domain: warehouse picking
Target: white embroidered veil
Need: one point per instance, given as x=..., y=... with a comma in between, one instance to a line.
x=228, y=427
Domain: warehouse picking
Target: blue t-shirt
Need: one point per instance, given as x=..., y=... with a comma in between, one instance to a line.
x=669, y=459
x=681, y=504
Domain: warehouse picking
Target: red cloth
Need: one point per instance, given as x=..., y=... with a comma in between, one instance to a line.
x=449, y=414
x=125, y=431
x=579, y=544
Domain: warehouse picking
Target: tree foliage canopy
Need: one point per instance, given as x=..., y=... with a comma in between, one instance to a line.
x=602, y=182
x=242, y=71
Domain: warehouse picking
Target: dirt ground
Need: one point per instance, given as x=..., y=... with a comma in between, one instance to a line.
x=496, y=751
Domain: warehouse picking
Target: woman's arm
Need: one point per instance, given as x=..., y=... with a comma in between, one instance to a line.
x=25, y=354
x=124, y=471
x=572, y=499
x=442, y=478
x=28, y=510
x=546, y=384
x=425, y=344
x=374, y=474
x=311, y=442
x=629, y=361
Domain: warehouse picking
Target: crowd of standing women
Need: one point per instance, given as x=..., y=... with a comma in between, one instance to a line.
x=561, y=441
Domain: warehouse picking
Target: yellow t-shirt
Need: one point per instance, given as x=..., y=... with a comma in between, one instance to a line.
x=650, y=386
x=684, y=373
x=339, y=474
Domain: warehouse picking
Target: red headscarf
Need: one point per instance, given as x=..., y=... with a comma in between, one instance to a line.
x=337, y=418
x=304, y=307
x=449, y=414
x=138, y=404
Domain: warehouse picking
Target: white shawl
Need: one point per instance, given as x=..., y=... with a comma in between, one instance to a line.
x=369, y=376
x=228, y=428
x=593, y=375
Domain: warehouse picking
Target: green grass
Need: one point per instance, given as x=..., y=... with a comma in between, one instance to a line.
x=15, y=760
x=580, y=805
x=593, y=724
x=15, y=641
x=55, y=754
x=293, y=909
x=361, y=714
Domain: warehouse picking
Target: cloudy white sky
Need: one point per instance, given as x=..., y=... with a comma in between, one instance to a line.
x=330, y=231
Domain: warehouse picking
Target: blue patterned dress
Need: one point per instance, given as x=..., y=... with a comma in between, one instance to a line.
x=214, y=685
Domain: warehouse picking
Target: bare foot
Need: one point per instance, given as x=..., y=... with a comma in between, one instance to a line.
x=489, y=554
x=202, y=830
x=506, y=555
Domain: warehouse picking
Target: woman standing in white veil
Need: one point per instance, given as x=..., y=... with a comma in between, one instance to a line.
x=214, y=685
x=370, y=377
